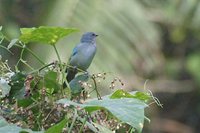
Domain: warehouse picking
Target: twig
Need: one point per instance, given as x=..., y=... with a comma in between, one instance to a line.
x=52, y=63
x=156, y=100
x=59, y=59
x=6, y=49
x=61, y=68
x=73, y=121
x=79, y=70
x=95, y=87
x=31, y=52
x=23, y=61
x=48, y=114
x=81, y=129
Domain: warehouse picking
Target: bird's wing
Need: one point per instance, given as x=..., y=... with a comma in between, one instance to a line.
x=75, y=51
x=71, y=73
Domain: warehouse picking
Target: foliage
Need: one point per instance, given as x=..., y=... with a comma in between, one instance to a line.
x=5, y=127
x=49, y=35
x=131, y=113
x=36, y=100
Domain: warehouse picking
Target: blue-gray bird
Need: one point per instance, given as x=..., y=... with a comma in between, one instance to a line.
x=82, y=55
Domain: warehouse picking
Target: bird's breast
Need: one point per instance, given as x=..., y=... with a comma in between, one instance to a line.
x=84, y=57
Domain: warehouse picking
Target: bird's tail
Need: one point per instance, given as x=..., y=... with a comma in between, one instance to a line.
x=71, y=73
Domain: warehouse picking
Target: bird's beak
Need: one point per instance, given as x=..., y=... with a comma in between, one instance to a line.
x=96, y=35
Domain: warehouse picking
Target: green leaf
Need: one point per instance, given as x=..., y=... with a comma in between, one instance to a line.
x=121, y=94
x=4, y=88
x=128, y=110
x=12, y=43
x=5, y=127
x=58, y=127
x=1, y=28
x=44, y=34
x=17, y=86
x=50, y=82
x=135, y=94
x=27, y=30
x=144, y=96
x=24, y=102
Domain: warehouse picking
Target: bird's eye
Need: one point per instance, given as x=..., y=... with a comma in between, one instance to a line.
x=93, y=34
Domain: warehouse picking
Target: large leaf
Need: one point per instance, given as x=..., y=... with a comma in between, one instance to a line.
x=44, y=34
x=128, y=110
x=5, y=127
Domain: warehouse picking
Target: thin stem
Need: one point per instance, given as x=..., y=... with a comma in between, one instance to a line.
x=52, y=63
x=59, y=59
x=31, y=106
x=73, y=121
x=43, y=67
x=38, y=120
x=92, y=127
x=61, y=67
x=81, y=129
x=48, y=114
x=95, y=88
x=6, y=49
x=23, y=61
x=156, y=100
x=80, y=70
x=31, y=52
x=21, y=55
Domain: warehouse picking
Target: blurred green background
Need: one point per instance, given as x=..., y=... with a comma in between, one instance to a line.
x=139, y=40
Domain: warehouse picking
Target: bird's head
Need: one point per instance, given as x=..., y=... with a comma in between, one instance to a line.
x=89, y=37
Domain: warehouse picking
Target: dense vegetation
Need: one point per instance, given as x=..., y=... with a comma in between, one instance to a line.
x=35, y=100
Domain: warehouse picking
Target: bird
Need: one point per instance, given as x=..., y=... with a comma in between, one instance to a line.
x=82, y=55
